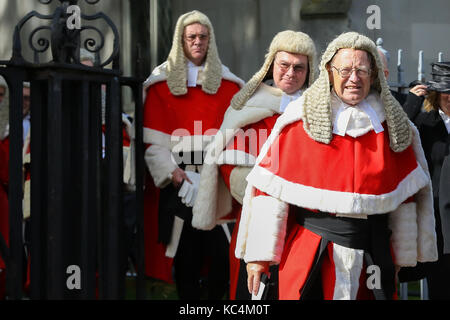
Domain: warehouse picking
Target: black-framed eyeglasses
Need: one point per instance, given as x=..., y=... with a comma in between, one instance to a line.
x=346, y=72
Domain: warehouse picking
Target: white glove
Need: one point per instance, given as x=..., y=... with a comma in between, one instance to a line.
x=188, y=191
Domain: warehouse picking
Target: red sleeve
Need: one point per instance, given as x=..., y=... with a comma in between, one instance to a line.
x=410, y=199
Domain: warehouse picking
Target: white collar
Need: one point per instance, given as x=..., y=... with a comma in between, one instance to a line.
x=288, y=98
x=193, y=73
x=357, y=120
x=446, y=119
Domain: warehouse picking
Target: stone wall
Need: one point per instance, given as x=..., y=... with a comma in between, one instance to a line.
x=244, y=28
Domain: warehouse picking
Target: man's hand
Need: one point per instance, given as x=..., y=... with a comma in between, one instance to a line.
x=419, y=90
x=254, y=271
x=178, y=176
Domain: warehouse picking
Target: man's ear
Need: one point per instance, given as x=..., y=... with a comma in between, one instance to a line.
x=330, y=74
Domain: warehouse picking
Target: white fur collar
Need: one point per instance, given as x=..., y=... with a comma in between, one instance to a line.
x=266, y=97
x=159, y=74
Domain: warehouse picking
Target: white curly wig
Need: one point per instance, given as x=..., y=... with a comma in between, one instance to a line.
x=317, y=98
x=176, y=69
x=289, y=41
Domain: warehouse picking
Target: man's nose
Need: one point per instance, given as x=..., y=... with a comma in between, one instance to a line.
x=353, y=75
x=290, y=72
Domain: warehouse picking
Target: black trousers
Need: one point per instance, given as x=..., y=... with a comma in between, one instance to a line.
x=201, y=264
x=438, y=279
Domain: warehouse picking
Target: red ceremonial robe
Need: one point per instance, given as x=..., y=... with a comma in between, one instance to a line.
x=351, y=176
x=247, y=147
x=177, y=123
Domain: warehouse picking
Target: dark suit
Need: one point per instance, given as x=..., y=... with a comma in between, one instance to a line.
x=436, y=143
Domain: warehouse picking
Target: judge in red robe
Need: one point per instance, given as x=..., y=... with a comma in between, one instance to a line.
x=340, y=196
x=287, y=71
x=186, y=98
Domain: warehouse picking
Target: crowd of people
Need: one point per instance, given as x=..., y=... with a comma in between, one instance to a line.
x=313, y=177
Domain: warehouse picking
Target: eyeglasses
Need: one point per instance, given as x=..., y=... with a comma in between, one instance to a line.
x=192, y=37
x=346, y=72
x=285, y=67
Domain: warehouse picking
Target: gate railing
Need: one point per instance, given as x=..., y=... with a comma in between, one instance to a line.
x=401, y=84
x=76, y=223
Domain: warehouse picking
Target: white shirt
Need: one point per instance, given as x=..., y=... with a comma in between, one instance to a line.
x=359, y=119
x=193, y=73
x=288, y=98
x=446, y=119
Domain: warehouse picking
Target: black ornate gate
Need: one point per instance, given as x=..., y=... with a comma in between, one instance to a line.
x=76, y=218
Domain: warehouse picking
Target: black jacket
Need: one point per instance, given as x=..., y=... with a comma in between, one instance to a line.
x=435, y=143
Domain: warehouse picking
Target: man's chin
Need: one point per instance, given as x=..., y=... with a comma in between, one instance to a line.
x=353, y=99
x=289, y=89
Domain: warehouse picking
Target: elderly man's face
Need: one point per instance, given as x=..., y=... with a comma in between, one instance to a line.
x=2, y=94
x=353, y=87
x=290, y=71
x=195, y=42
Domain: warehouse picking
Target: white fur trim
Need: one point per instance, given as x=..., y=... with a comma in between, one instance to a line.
x=266, y=97
x=159, y=74
x=403, y=223
x=205, y=206
x=209, y=206
x=348, y=266
x=266, y=230
x=246, y=213
x=335, y=201
x=151, y=136
x=160, y=164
